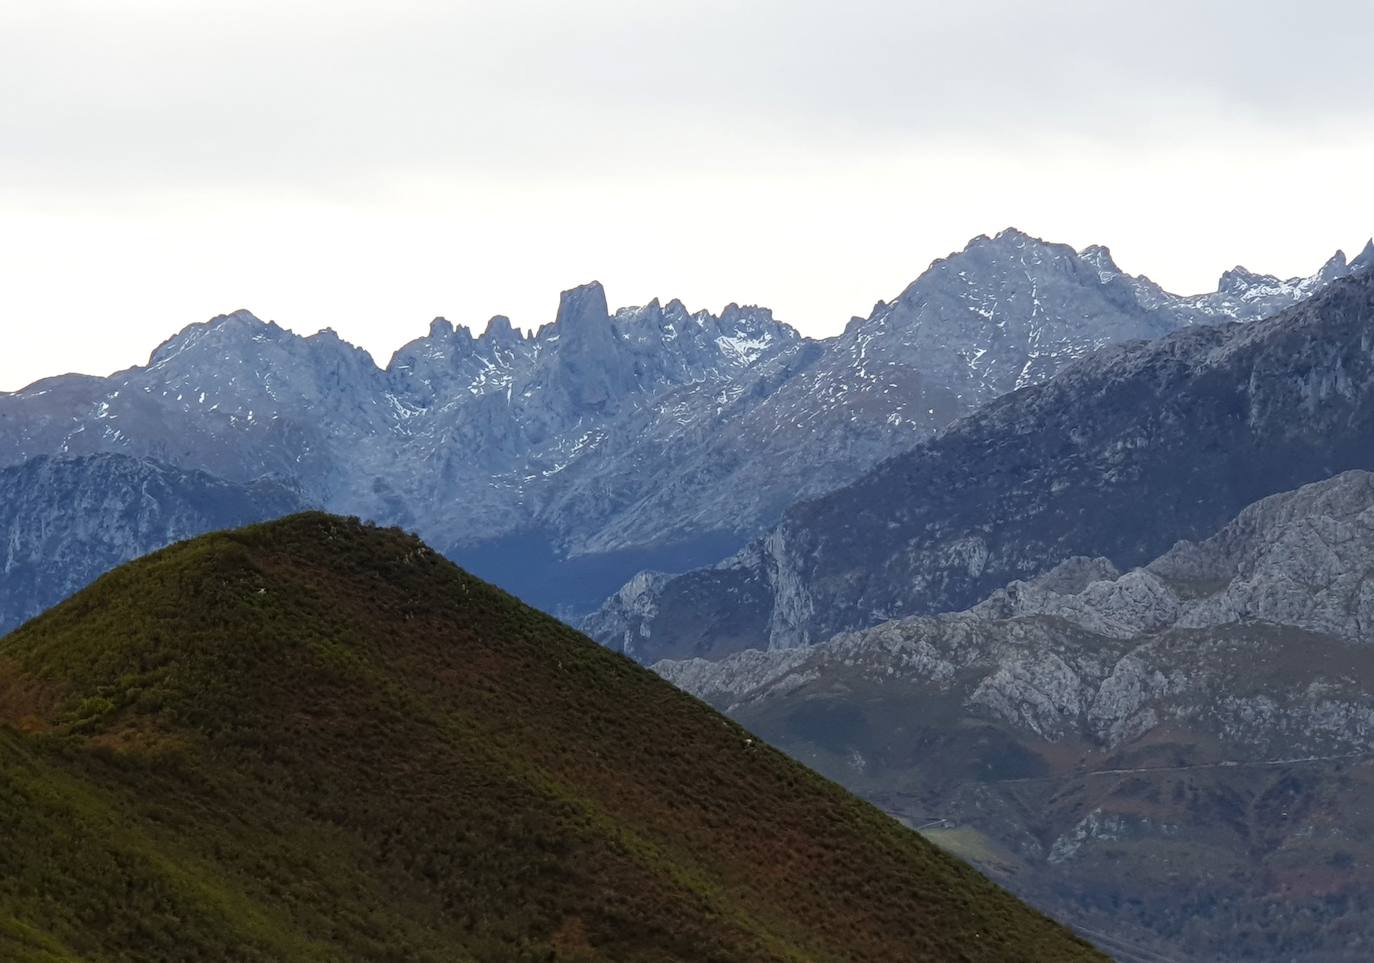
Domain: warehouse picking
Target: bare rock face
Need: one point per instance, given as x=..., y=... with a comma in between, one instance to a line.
x=1298, y=558
x=66, y=521
x=1070, y=653
x=634, y=604
x=1119, y=456
x=1121, y=606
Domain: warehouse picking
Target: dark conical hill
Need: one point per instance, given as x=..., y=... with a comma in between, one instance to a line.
x=317, y=740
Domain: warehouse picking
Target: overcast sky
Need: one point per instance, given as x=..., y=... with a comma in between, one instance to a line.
x=368, y=166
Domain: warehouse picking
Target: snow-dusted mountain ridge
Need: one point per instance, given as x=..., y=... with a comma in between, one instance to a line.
x=561, y=461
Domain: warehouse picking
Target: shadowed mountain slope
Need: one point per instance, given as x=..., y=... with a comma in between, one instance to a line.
x=66, y=520
x=317, y=740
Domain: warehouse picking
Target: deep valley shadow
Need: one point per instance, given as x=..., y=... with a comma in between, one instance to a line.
x=529, y=566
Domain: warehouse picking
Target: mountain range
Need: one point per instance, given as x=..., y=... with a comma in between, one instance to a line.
x=1124, y=452
x=562, y=462
x=1060, y=568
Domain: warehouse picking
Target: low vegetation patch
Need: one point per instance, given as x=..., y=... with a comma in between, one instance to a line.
x=316, y=740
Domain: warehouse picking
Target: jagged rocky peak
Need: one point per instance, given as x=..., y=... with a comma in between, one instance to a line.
x=1009, y=241
x=657, y=321
x=583, y=310
x=674, y=315
x=234, y=326
x=979, y=245
x=499, y=330
x=242, y=334
x=324, y=347
x=1334, y=268
x=1008, y=237
x=1365, y=260
x=445, y=343
x=1001, y=266
x=1100, y=257
x=732, y=313
x=753, y=319
x=329, y=338
x=238, y=373
x=241, y=316
x=589, y=367
x=651, y=313
x=1007, y=311
x=450, y=363
x=1245, y=295
x=1240, y=279
x=672, y=344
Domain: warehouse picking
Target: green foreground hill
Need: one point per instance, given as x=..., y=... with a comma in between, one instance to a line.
x=318, y=740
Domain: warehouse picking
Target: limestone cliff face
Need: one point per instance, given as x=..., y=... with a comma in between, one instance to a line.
x=1200, y=637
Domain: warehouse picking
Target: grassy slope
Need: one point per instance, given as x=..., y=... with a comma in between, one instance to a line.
x=314, y=740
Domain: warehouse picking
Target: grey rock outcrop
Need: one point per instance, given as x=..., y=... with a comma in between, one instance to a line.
x=1108, y=658
x=1298, y=558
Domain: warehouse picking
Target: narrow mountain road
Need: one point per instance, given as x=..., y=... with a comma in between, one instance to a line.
x=1226, y=764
